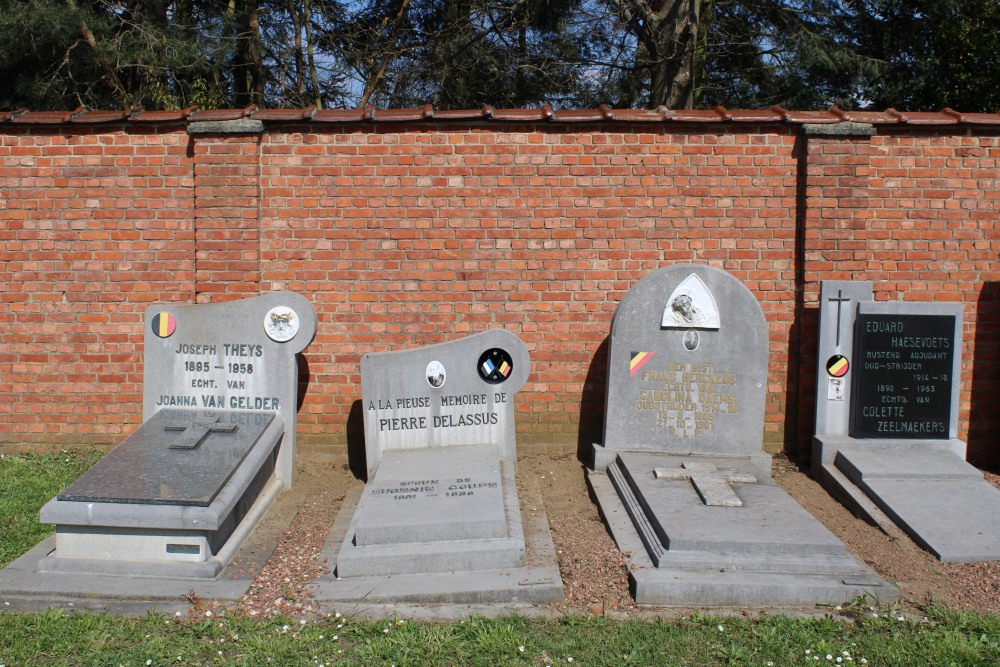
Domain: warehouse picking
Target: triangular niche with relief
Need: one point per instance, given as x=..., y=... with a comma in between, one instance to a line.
x=691, y=306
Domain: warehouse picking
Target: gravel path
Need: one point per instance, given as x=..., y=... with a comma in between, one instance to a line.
x=593, y=569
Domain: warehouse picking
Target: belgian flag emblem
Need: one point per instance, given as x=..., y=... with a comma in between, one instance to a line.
x=164, y=324
x=637, y=360
x=837, y=366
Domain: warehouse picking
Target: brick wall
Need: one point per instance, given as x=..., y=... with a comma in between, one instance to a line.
x=409, y=234
x=94, y=225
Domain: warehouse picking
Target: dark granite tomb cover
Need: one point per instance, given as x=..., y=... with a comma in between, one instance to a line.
x=178, y=457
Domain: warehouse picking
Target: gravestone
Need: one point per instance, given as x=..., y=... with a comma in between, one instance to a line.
x=178, y=497
x=439, y=519
x=681, y=476
x=886, y=440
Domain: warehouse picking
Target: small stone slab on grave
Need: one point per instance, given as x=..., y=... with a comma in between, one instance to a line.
x=439, y=519
x=166, y=510
x=768, y=522
x=440, y=494
x=711, y=483
x=886, y=436
x=681, y=478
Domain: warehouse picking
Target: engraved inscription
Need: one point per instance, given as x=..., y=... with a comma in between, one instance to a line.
x=687, y=398
x=415, y=413
x=461, y=487
x=218, y=377
x=904, y=376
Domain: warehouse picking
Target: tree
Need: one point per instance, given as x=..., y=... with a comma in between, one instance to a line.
x=934, y=54
x=666, y=36
x=802, y=54
x=458, y=53
x=737, y=53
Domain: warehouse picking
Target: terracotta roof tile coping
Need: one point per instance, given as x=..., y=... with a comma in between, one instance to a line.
x=546, y=113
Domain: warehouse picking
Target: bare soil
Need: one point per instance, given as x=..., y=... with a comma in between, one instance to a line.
x=593, y=569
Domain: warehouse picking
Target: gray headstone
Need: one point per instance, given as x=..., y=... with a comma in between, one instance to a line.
x=439, y=519
x=687, y=368
x=838, y=303
x=230, y=356
x=455, y=393
x=683, y=461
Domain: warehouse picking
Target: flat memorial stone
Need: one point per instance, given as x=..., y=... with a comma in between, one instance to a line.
x=861, y=462
x=958, y=520
x=157, y=465
x=769, y=522
x=929, y=493
x=448, y=493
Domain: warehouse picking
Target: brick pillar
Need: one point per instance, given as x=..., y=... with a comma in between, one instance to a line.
x=837, y=218
x=226, y=209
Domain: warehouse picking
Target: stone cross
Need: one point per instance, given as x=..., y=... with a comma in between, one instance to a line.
x=711, y=483
x=197, y=432
x=840, y=299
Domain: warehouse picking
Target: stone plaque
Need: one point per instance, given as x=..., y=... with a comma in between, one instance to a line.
x=904, y=375
x=179, y=457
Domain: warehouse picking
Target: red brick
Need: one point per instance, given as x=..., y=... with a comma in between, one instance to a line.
x=407, y=235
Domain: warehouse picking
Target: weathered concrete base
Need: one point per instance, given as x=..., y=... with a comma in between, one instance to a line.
x=534, y=582
x=143, y=590
x=27, y=589
x=165, y=540
x=923, y=487
x=768, y=553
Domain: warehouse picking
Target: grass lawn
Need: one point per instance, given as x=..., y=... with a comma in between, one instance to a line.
x=26, y=483
x=866, y=637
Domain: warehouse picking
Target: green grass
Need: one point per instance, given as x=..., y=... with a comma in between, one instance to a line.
x=26, y=483
x=869, y=637
x=943, y=637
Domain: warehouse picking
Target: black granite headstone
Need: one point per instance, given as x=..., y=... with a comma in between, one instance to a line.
x=904, y=376
x=178, y=457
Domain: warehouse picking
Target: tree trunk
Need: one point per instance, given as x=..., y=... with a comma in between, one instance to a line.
x=672, y=71
x=667, y=36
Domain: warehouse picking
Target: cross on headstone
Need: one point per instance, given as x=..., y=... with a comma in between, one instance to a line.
x=711, y=483
x=197, y=432
x=840, y=299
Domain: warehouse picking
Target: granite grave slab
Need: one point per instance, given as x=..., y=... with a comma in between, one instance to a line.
x=886, y=440
x=439, y=519
x=681, y=477
x=169, y=506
